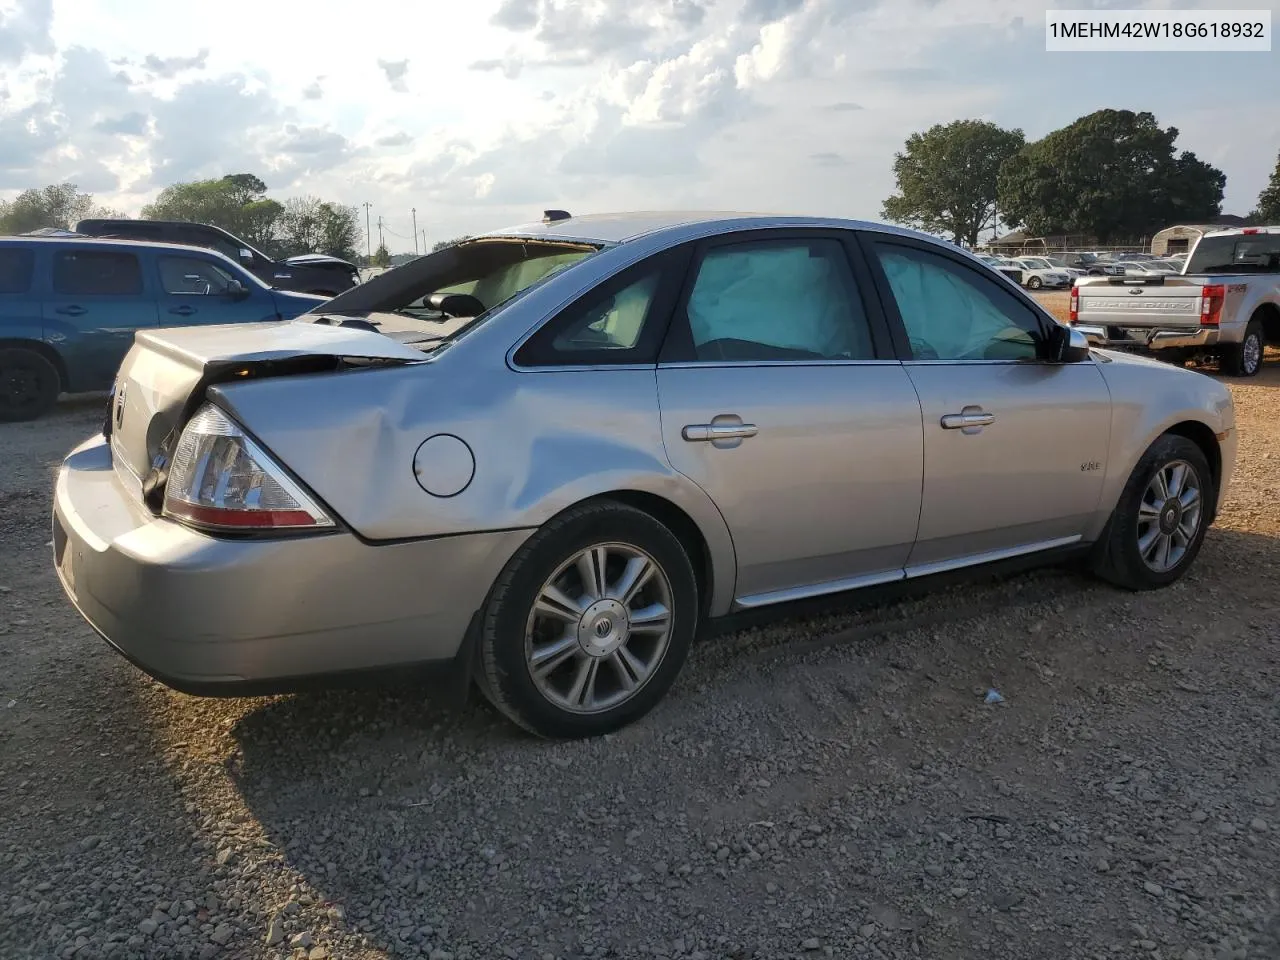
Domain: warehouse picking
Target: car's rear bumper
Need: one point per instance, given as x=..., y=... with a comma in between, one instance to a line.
x=218, y=616
x=1148, y=338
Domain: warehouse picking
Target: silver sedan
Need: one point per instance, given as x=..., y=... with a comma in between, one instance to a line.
x=546, y=457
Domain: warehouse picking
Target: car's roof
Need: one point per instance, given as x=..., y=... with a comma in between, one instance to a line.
x=611, y=228
x=107, y=242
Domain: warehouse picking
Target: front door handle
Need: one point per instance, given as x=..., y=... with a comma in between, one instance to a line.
x=183, y=311
x=711, y=432
x=973, y=418
x=72, y=311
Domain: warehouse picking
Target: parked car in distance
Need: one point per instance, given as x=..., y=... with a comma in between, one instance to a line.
x=1002, y=265
x=1037, y=273
x=69, y=308
x=543, y=458
x=314, y=273
x=1224, y=304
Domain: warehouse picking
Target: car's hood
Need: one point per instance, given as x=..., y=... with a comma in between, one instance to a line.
x=318, y=260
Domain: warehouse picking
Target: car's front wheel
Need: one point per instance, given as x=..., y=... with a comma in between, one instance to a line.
x=1160, y=521
x=589, y=624
x=1034, y=283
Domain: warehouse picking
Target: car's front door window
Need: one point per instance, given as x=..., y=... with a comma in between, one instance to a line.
x=951, y=312
x=188, y=276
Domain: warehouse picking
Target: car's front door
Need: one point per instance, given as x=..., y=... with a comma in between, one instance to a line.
x=1015, y=445
x=198, y=290
x=779, y=398
x=97, y=301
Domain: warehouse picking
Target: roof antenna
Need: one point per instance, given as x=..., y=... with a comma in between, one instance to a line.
x=554, y=216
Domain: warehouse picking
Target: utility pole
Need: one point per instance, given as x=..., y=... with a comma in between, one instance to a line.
x=368, y=234
x=380, y=243
x=414, y=211
x=424, y=242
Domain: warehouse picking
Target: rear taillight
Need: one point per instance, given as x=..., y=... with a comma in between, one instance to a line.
x=1211, y=297
x=221, y=480
x=1073, y=313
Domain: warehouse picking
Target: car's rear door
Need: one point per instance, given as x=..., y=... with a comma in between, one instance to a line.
x=99, y=297
x=1014, y=445
x=780, y=397
x=196, y=289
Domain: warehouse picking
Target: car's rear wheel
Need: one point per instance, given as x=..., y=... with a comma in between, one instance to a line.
x=1244, y=359
x=29, y=385
x=1160, y=522
x=1035, y=283
x=589, y=624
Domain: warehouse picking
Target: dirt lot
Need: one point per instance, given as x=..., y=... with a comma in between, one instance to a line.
x=831, y=786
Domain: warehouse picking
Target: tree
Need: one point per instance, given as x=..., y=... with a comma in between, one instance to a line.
x=59, y=205
x=311, y=225
x=947, y=178
x=236, y=203
x=382, y=256
x=1111, y=175
x=1269, y=200
x=441, y=244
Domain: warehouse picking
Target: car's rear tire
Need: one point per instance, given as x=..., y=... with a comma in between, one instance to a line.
x=1151, y=540
x=1244, y=359
x=1035, y=283
x=29, y=385
x=563, y=650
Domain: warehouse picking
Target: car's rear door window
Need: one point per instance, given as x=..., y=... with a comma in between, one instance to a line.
x=779, y=299
x=96, y=273
x=16, y=268
x=953, y=312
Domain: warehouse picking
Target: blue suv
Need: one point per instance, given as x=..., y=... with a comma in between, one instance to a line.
x=69, y=308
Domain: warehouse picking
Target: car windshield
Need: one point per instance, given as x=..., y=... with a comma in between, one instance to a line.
x=444, y=294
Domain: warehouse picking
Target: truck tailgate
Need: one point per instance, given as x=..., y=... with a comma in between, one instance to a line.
x=1140, y=302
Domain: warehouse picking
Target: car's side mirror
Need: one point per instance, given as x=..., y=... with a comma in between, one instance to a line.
x=236, y=290
x=456, y=304
x=1068, y=345
x=246, y=254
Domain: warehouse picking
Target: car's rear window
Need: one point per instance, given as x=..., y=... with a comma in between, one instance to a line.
x=16, y=267
x=1258, y=252
x=96, y=273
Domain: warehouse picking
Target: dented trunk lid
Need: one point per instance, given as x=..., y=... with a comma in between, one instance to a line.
x=165, y=374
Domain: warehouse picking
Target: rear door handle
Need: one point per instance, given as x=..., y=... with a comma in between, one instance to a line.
x=710, y=432
x=966, y=421
x=72, y=311
x=183, y=311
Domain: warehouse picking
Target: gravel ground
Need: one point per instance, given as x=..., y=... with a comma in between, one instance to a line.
x=831, y=786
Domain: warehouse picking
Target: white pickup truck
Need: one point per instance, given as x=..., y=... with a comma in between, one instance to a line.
x=1224, y=303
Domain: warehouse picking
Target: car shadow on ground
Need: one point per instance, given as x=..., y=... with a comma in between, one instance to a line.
x=377, y=796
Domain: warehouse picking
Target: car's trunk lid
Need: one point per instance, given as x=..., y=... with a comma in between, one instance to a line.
x=164, y=376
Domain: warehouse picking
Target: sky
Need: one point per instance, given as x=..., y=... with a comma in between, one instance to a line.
x=483, y=113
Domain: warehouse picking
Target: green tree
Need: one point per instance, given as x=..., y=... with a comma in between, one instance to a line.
x=59, y=205
x=441, y=244
x=310, y=225
x=1268, y=211
x=947, y=178
x=1113, y=175
x=382, y=256
x=235, y=202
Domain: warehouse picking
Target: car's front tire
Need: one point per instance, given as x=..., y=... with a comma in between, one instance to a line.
x=1160, y=520
x=589, y=623
x=1244, y=359
x=1035, y=283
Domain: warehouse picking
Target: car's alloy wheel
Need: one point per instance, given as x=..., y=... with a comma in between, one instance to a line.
x=588, y=625
x=1034, y=283
x=1244, y=359
x=599, y=628
x=1159, y=522
x=1169, y=516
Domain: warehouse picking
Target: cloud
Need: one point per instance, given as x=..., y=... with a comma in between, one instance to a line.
x=170, y=67
x=767, y=11
x=844, y=106
x=399, y=139
x=26, y=30
x=395, y=71
x=516, y=15
x=313, y=90
x=511, y=67
x=132, y=124
x=311, y=140
x=826, y=158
